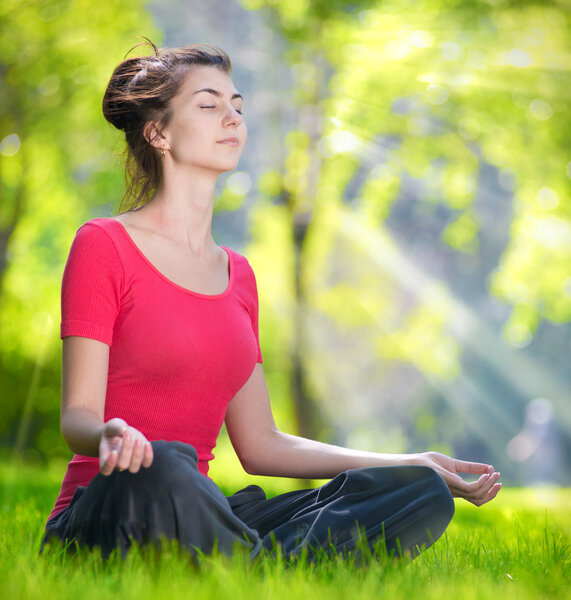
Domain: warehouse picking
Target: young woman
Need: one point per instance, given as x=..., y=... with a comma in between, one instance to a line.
x=160, y=346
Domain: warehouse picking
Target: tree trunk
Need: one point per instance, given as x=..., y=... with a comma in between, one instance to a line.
x=306, y=408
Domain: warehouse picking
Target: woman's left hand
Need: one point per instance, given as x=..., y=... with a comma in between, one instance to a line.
x=123, y=447
x=478, y=492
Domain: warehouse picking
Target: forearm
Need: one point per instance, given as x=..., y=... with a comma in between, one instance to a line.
x=264, y=450
x=82, y=428
x=281, y=454
x=284, y=455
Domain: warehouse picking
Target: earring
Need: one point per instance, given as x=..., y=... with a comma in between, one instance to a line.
x=162, y=152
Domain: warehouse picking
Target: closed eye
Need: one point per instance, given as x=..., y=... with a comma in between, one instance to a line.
x=238, y=110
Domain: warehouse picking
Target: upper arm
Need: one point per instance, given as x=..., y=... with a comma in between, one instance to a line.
x=85, y=364
x=92, y=286
x=249, y=418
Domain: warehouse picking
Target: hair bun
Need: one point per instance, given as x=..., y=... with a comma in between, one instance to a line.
x=119, y=105
x=119, y=114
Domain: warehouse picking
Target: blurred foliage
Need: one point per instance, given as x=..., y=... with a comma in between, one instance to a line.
x=414, y=119
x=458, y=110
x=431, y=89
x=56, y=171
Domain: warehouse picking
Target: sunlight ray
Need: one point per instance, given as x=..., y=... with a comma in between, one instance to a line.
x=528, y=377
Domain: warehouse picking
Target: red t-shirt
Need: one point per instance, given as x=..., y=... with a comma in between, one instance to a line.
x=176, y=357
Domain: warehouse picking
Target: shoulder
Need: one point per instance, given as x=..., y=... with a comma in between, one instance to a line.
x=99, y=236
x=240, y=264
x=242, y=274
x=237, y=259
x=97, y=243
x=104, y=227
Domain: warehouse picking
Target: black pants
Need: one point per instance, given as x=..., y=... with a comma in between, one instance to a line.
x=408, y=507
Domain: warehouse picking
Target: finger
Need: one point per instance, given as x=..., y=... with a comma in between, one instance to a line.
x=136, y=456
x=483, y=484
x=126, y=451
x=490, y=480
x=474, y=490
x=492, y=493
x=104, y=452
x=466, y=488
x=480, y=492
x=147, y=455
x=473, y=468
x=107, y=466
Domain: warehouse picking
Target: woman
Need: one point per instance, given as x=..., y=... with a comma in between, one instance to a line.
x=160, y=346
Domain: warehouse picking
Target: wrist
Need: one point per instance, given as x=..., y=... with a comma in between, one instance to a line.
x=416, y=459
x=114, y=428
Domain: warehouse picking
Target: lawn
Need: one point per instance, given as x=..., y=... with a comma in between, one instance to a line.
x=516, y=547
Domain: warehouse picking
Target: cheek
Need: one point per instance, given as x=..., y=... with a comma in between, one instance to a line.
x=185, y=138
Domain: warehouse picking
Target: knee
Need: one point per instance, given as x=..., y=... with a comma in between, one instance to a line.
x=438, y=498
x=440, y=491
x=167, y=453
x=173, y=462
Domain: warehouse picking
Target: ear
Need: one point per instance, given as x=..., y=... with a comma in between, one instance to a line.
x=154, y=136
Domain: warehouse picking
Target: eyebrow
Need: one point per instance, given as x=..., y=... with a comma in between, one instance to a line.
x=217, y=93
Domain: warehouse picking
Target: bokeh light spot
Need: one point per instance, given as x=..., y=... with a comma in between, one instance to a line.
x=518, y=58
x=10, y=145
x=547, y=198
x=421, y=39
x=239, y=183
x=451, y=50
x=540, y=109
x=436, y=94
x=396, y=49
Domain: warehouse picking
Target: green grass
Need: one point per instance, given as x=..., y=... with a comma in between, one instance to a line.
x=516, y=547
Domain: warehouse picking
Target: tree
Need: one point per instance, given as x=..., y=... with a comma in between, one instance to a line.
x=55, y=171
x=424, y=114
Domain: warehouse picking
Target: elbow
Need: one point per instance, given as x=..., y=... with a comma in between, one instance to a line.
x=259, y=458
x=68, y=428
x=81, y=431
x=67, y=433
x=251, y=464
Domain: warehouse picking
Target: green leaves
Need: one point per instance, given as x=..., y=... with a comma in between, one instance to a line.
x=57, y=169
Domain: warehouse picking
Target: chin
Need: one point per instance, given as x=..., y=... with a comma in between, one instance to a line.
x=229, y=166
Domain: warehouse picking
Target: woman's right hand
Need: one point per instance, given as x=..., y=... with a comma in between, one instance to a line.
x=123, y=447
x=478, y=492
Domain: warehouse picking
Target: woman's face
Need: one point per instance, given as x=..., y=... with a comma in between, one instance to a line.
x=206, y=130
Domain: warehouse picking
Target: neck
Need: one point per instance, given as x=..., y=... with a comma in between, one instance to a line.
x=182, y=208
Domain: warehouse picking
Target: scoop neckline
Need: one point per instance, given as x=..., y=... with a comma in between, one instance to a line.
x=141, y=254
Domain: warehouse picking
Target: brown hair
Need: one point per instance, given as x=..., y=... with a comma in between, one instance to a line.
x=140, y=90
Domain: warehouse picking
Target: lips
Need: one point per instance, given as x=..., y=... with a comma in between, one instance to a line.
x=230, y=141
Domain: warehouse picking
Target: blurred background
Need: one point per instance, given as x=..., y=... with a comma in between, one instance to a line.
x=403, y=199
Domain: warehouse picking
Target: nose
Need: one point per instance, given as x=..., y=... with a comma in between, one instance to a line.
x=232, y=117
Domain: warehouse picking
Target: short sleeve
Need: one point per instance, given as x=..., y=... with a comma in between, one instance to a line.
x=254, y=310
x=92, y=285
